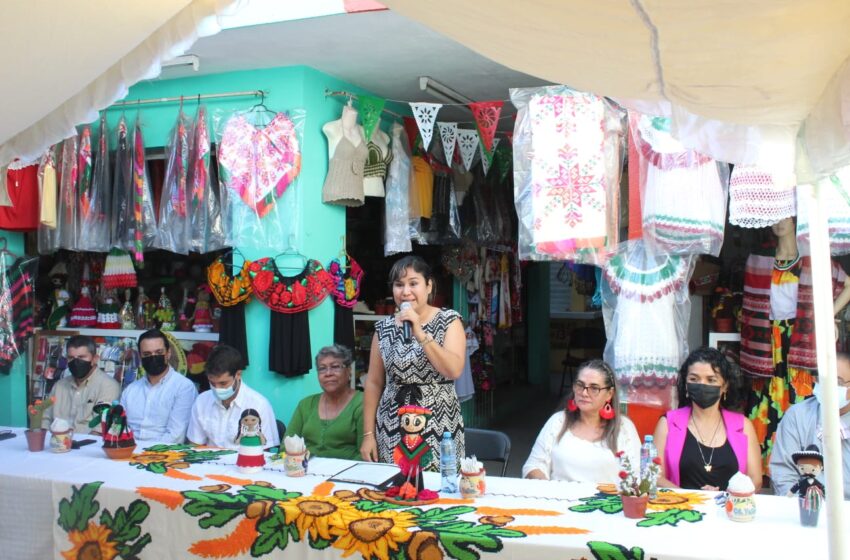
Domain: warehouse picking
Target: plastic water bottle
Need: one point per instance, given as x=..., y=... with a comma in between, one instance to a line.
x=448, y=464
x=648, y=452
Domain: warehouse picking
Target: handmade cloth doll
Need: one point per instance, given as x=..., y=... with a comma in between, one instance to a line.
x=809, y=489
x=251, y=441
x=113, y=425
x=412, y=454
x=202, y=317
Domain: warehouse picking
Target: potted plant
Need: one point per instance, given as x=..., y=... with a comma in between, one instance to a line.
x=634, y=487
x=36, y=434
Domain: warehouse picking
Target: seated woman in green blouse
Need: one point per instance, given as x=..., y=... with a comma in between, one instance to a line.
x=331, y=422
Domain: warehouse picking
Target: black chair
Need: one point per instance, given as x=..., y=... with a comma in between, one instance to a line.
x=488, y=445
x=281, y=430
x=591, y=342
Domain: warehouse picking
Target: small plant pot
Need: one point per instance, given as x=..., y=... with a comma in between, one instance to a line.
x=119, y=453
x=634, y=507
x=35, y=439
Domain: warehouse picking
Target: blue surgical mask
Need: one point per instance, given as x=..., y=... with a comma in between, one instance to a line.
x=226, y=393
x=842, y=396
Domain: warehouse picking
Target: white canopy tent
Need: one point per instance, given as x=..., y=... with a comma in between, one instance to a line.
x=745, y=82
x=64, y=61
x=764, y=82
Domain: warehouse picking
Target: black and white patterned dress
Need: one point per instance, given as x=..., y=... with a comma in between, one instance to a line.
x=408, y=369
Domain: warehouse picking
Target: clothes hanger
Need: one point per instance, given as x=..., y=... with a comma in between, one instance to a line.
x=291, y=251
x=261, y=109
x=343, y=256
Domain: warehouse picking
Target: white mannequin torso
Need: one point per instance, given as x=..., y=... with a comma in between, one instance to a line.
x=344, y=127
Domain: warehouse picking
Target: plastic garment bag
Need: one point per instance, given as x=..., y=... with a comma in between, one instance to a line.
x=122, y=188
x=568, y=153
x=173, y=227
x=206, y=227
x=683, y=192
x=259, y=159
x=646, y=306
x=48, y=236
x=67, y=227
x=95, y=200
x=397, y=203
x=142, y=230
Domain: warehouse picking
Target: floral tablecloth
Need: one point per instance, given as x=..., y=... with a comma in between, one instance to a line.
x=192, y=502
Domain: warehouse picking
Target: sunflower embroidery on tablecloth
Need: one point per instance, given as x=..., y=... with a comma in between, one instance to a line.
x=159, y=458
x=113, y=535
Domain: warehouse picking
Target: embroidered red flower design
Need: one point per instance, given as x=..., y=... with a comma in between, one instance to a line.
x=299, y=294
x=263, y=280
x=285, y=297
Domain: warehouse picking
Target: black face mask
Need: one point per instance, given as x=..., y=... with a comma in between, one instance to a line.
x=154, y=365
x=79, y=368
x=702, y=395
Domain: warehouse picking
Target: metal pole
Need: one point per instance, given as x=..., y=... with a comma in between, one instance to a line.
x=186, y=98
x=825, y=338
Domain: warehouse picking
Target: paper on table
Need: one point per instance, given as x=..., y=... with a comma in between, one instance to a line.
x=372, y=474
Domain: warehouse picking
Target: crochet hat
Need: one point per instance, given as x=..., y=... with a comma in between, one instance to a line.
x=414, y=409
x=810, y=452
x=119, y=271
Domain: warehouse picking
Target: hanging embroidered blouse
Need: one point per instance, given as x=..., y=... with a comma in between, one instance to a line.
x=290, y=294
x=648, y=299
x=346, y=282
x=759, y=198
x=567, y=187
x=229, y=290
x=670, y=174
x=259, y=164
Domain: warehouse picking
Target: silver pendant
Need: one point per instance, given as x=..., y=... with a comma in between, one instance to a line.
x=707, y=468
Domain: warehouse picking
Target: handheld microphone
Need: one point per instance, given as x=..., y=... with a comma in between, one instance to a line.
x=406, y=325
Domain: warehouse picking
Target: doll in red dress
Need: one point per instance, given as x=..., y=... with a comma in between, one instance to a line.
x=411, y=454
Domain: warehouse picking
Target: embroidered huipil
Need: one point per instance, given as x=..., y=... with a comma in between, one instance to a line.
x=671, y=175
x=259, y=164
x=567, y=169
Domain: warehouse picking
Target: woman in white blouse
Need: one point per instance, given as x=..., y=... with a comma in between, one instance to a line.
x=580, y=443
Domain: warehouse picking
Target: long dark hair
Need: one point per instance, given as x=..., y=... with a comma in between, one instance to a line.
x=721, y=366
x=611, y=431
x=248, y=412
x=417, y=264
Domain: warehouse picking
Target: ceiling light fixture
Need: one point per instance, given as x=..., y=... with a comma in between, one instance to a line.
x=442, y=91
x=185, y=60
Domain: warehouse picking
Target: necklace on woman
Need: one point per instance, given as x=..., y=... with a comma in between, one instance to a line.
x=706, y=464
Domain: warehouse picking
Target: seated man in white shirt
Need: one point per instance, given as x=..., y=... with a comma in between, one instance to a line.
x=216, y=413
x=159, y=404
x=87, y=386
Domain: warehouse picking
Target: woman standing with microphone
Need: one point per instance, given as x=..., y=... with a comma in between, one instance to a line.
x=419, y=368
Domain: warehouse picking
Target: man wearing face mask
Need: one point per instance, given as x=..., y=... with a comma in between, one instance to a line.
x=217, y=412
x=159, y=404
x=87, y=386
x=802, y=426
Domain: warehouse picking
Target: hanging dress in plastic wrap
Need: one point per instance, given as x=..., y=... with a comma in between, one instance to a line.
x=836, y=191
x=96, y=203
x=173, y=226
x=206, y=226
x=646, y=307
x=568, y=150
x=122, y=188
x=143, y=222
x=48, y=238
x=258, y=165
x=67, y=226
x=682, y=191
x=759, y=198
x=397, y=206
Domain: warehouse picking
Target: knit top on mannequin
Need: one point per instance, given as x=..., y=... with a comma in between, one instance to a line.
x=346, y=126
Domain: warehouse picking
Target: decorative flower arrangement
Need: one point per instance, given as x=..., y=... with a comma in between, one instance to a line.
x=636, y=484
x=36, y=411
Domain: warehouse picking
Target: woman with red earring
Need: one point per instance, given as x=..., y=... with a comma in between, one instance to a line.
x=580, y=442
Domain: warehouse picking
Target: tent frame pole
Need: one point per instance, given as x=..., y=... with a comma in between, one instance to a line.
x=827, y=376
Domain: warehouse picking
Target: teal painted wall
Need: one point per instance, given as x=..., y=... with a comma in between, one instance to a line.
x=13, y=387
x=316, y=228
